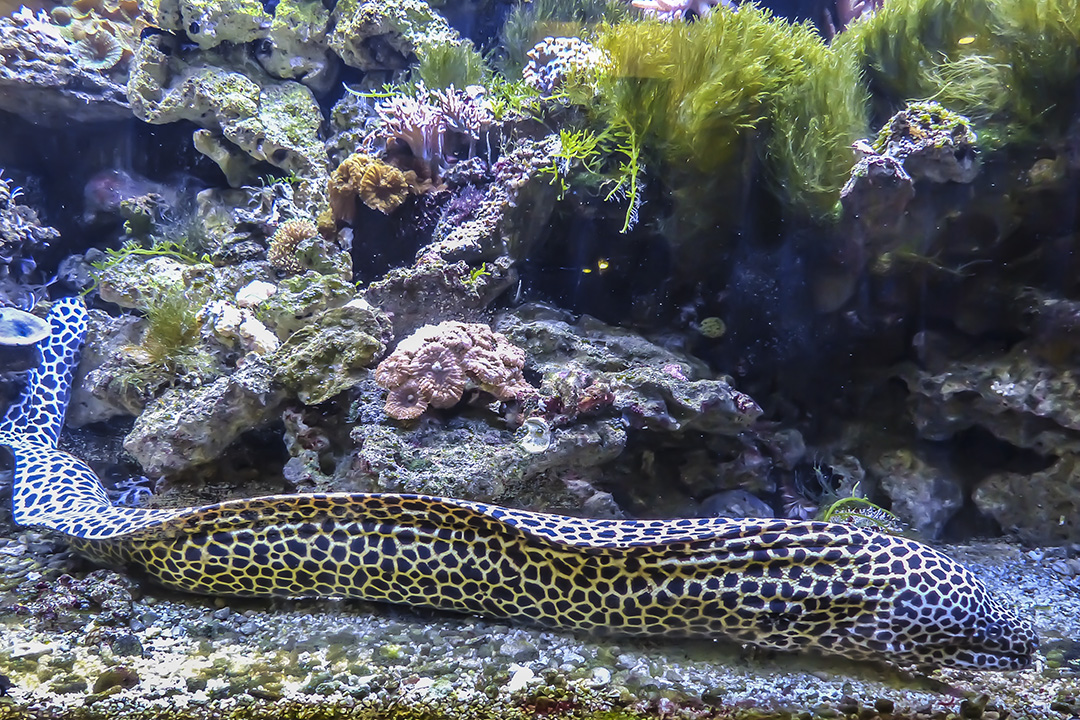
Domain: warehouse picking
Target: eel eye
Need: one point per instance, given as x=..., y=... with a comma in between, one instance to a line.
x=993, y=631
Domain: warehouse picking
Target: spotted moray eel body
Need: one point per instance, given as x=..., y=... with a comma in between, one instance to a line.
x=777, y=584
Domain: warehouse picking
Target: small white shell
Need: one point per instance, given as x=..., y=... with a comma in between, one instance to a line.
x=19, y=329
x=254, y=293
x=536, y=435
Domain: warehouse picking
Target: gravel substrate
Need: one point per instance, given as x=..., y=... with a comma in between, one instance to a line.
x=78, y=642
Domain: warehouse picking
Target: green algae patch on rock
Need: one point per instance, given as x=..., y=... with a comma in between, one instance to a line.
x=331, y=353
x=209, y=23
x=300, y=298
x=298, y=43
x=222, y=91
x=384, y=34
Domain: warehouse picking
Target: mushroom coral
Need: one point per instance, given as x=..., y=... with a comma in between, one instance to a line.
x=380, y=186
x=437, y=363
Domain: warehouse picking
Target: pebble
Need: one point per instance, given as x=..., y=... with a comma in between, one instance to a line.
x=600, y=677
x=520, y=678
x=222, y=614
x=249, y=628
x=116, y=677
x=519, y=650
x=126, y=646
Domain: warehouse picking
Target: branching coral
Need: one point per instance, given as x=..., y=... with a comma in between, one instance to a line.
x=434, y=123
x=282, y=253
x=556, y=60
x=436, y=364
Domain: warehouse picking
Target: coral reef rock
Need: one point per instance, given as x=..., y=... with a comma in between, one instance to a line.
x=185, y=427
x=649, y=386
x=21, y=236
x=91, y=398
x=435, y=290
x=43, y=80
x=1042, y=508
x=471, y=459
x=330, y=353
x=1026, y=401
x=923, y=496
x=384, y=34
x=1019, y=397
x=273, y=121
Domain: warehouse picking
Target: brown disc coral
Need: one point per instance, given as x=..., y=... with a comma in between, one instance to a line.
x=440, y=375
x=383, y=187
x=344, y=186
x=437, y=363
x=98, y=50
x=406, y=401
x=282, y=253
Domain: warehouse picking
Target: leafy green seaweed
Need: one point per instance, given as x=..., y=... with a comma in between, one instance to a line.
x=700, y=97
x=442, y=64
x=1010, y=65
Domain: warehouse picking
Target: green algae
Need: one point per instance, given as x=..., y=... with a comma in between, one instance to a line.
x=330, y=354
x=705, y=96
x=444, y=63
x=1009, y=65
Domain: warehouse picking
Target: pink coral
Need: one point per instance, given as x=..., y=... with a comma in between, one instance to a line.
x=678, y=9
x=436, y=364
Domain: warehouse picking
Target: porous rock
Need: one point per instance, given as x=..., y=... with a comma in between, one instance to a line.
x=184, y=427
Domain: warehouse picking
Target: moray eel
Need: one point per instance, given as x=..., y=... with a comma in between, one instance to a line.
x=778, y=584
